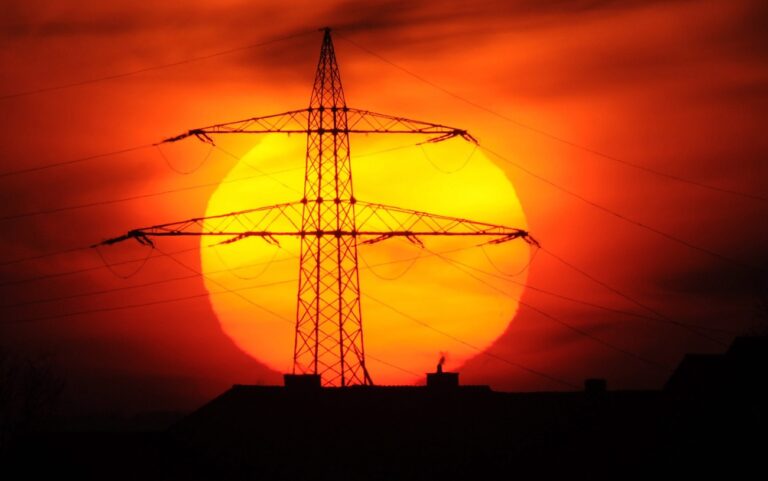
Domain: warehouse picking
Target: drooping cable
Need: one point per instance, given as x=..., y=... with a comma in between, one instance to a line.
x=551, y=136
x=131, y=73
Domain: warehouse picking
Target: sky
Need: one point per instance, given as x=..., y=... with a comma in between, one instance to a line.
x=597, y=108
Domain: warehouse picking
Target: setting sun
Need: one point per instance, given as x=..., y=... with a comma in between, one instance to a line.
x=449, y=178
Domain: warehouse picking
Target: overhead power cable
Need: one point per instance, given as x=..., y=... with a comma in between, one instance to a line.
x=141, y=304
x=131, y=73
x=74, y=161
x=551, y=136
x=156, y=254
x=618, y=215
x=155, y=194
x=83, y=270
x=238, y=292
x=483, y=352
x=626, y=296
x=567, y=325
x=43, y=256
x=98, y=203
x=260, y=174
x=656, y=317
x=278, y=315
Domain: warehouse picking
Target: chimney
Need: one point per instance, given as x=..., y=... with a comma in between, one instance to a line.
x=441, y=380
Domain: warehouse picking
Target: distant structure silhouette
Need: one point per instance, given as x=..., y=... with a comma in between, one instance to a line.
x=708, y=422
x=330, y=221
x=710, y=416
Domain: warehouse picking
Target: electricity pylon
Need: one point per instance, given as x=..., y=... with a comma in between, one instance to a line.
x=329, y=220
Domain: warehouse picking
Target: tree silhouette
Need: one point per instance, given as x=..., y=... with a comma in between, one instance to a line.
x=30, y=391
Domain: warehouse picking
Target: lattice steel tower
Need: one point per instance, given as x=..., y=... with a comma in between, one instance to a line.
x=329, y=330
x=329, y=221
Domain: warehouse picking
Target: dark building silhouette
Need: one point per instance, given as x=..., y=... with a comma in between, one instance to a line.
x=739, y=372
x=709, y=420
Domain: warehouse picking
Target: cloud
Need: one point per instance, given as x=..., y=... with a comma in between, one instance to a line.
x=714, y=279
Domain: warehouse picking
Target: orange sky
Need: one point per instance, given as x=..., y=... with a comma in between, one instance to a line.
x=674, y=86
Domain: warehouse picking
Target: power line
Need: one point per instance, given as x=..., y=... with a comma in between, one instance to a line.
x=154, y=194
x=411, y=263
x=94, y=293
x=472, y=346
x=117, y=274
x=619, y=215
x=138, y=305
x=563, y=189
x=260, y=174
x=558, y=321
x=265, y=265
x=236, y=291
x=233, y=291
x=151, y=68
x=279, y=316
x=658, y=317
x=180, y=299
x=136, y=286
x=180, y=171
x=523, y=269
x=42, y=256
x=123, y=75
x=140, y=196
x=80, y=271
x=102, y=155
x=631, y=299
x=74, y=161
x=358, y=293
x=556, y=137
x=369, y=267
x=233, y=156
x=451, y=171
x=197, y=273
x=387, y=363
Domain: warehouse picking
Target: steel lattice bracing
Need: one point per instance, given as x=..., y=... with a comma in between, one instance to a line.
x=329, y=331
x=329, y=221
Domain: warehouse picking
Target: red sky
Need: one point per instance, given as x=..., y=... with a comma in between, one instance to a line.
x=678, y=87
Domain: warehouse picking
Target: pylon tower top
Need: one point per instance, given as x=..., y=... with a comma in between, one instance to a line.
x=327, y=92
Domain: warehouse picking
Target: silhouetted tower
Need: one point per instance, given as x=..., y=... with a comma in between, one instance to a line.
x=329, y=330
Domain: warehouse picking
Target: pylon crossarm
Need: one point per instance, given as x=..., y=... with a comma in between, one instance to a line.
x=268, y=222
x=292, y=122
x=387, y=221
x=366, y=122
x=297, y=122
x=378, y=221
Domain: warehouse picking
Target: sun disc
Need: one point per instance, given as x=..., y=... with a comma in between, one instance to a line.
x=415, y=304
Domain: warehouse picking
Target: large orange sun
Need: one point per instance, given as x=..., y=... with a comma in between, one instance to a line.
x=449, y=178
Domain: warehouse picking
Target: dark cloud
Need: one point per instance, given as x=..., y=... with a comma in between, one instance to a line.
x=37, y=19
x=30, y=19
x=354, y=16
x=714, y=279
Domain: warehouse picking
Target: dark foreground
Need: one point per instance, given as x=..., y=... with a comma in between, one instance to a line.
x=709, y=420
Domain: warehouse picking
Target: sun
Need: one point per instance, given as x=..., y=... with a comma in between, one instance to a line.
x=416, y=306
